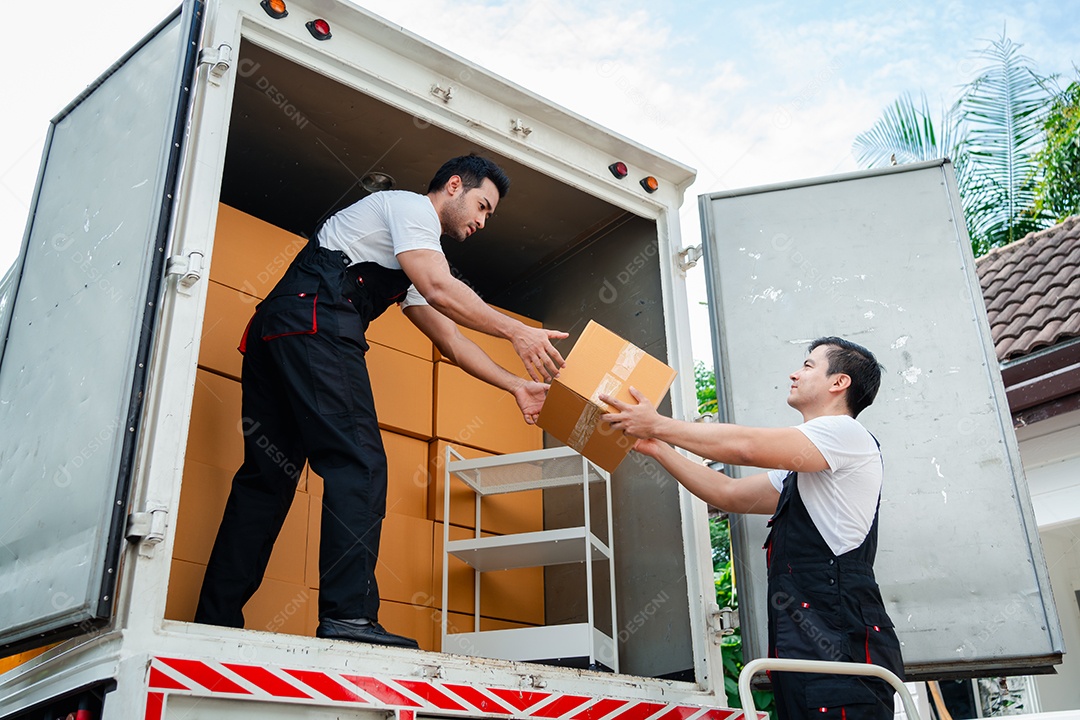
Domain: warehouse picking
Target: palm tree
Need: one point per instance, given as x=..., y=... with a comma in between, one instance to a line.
x=991, y=134
x=1004, y=109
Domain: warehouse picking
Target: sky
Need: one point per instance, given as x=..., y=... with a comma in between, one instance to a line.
x=746, y=93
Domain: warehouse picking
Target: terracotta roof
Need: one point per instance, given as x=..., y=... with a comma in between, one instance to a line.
x=1032, y=290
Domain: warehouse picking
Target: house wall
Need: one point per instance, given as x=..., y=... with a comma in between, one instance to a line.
x=1051, y=456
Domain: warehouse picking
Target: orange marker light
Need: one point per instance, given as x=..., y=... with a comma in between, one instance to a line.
x=650, y=184
x=274, y=8
x=319, y=29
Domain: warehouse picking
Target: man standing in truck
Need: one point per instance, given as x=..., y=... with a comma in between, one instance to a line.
x=824, y=603
x=307, y=394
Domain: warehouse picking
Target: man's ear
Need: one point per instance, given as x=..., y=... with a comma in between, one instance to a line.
x=840, y=383
x=453, y=185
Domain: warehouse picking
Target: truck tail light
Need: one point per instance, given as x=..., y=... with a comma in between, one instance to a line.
x=319, y=29
x=650, y=184
x=618, y=169
x=274, y=8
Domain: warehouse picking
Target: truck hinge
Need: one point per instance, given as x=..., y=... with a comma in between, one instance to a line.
x=147, y=527
x=188, y=269
x=219, y=59
x=688, y=257
x=445, y=94
x=518, y=126
x=722, y=622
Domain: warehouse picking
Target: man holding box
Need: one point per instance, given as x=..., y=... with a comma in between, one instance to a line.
x=824, y=603
x=307, y=394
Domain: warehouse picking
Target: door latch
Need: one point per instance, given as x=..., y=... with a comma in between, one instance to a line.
x=188, y=269
x=147, y=528
x=219, y=59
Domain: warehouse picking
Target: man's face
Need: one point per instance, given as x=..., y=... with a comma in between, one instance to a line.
x=810, y=383
x=469, y=210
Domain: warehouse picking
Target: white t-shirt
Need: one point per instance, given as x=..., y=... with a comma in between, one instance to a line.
x=843, y=499
x=381, y=226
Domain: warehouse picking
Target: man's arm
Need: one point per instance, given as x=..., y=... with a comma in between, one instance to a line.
x=429, y=272
x=472, y=359
x=775, y=448
x=753, y=494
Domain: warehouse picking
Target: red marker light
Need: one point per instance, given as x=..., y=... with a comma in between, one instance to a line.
x=650, y=184
x=274, y=8
x=618, y=169
x=319, y=29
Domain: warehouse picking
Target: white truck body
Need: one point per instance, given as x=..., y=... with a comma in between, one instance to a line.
x=101, y=324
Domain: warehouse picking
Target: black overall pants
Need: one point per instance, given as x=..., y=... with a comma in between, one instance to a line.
x=307, y=396
x=826, y=607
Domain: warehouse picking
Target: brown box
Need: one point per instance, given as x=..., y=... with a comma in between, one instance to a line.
x=471, y=412
x=394, y=330
x=515, y=595
x=227, y=314
x=404, y=570
x=283, y=608
x=498, y=349
x=251, y=255
x=405, y=566
x=601, y=362
x=500, y=514
x=276, y=607
x=413, y=621
x=216, y=435
x=407, y=476
x=402, y=385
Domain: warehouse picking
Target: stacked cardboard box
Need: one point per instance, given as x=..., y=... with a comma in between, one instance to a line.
x=423, y=402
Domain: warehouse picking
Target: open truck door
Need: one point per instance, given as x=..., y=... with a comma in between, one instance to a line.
x=77, y=323
x=883, y=258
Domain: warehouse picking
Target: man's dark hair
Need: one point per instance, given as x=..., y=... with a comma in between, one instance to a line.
x=856, y=362
x=473, y=170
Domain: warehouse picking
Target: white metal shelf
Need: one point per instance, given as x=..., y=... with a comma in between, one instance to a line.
x=537, y=470
x=531, y=549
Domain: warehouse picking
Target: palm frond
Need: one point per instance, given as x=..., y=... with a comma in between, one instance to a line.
x=906, y=133
x=1002, y=111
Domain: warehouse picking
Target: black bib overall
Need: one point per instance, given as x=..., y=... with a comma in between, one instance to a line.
x=826, y=607
x=307, y=396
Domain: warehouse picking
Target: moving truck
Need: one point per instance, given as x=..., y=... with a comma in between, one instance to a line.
x=173, y=193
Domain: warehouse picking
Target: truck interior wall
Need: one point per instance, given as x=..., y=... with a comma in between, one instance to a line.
x=298, y=146
x=613, y=277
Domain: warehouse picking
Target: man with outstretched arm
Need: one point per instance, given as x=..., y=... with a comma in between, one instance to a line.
x=307, y=394
x=823, y=496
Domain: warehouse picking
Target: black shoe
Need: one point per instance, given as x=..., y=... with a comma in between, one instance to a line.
x=362, y=631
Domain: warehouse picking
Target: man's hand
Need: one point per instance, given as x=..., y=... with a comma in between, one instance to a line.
x=650, y=446
x=530, y=398
x=639, y=421
x=533, y=345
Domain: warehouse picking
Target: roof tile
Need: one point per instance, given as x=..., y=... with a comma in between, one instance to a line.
x=1032, y=290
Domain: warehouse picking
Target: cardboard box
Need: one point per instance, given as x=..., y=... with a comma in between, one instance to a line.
x=499, y=514
x=215, y=435
x=405, y=566
x=514, y=595
x=407, y=476
x=392, y=329
x=601, y=362
x=412, y=621
x=404, y=570
x=498, y=349
x=227, y=314
x=402, y=386
x=471, y=412
x=250, y=255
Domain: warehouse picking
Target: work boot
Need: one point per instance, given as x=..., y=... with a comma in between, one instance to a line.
x=362, y=630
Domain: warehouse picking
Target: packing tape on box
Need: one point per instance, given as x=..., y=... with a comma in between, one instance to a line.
x=629, y=358
x=583, y=428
